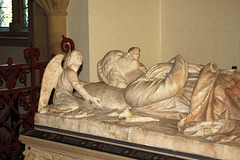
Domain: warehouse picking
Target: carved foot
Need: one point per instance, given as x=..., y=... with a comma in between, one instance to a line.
x=126, y=114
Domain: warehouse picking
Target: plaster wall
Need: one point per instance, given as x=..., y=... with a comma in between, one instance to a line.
x=15, y=52
x=119, y=24
x=77, y=30
x=201, y=30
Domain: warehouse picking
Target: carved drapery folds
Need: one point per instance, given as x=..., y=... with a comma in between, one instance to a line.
x=56, y=11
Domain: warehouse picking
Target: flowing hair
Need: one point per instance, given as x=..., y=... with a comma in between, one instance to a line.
x=67, y=60
x=108, y=72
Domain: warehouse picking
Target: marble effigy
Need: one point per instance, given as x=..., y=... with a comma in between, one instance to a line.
x=172, y=104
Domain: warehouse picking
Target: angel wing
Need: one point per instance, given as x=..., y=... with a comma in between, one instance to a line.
x=49, y=81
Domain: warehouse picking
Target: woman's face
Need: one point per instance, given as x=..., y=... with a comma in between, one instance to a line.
x=124, y=63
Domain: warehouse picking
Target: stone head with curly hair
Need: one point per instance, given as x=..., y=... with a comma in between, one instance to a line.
x=117, y=69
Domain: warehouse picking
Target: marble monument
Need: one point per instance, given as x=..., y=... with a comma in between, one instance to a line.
x=171, y=104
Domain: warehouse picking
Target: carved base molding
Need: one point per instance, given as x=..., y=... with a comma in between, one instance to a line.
x=39, y=149
x=33, y=153
x=160, y=135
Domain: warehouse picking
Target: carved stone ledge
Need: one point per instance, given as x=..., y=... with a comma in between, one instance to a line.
x=42, y=149
x=162, y=134
x=34, y=153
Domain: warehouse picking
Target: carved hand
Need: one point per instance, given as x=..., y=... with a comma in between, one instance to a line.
x=96, y=101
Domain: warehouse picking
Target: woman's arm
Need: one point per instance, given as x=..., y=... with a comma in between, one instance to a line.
x=175, y=80
x=165, y=81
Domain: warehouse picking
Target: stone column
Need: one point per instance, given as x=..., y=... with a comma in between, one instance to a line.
x=56, y=28
x=56, y=11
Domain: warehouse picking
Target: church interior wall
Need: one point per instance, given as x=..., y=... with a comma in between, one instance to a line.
x=15, y=52
x=77, y=30
x=123, y=24
x=39, y=40
x=202, y=31
x=112, y=25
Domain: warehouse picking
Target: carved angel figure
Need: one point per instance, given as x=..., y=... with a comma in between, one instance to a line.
x=64, y=80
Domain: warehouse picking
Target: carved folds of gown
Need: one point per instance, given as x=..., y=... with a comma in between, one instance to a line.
x=215, y=106
x=165, y=90
x=205, y=98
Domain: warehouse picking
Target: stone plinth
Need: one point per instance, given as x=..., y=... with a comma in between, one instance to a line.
x=47, y=149
x=162, y=134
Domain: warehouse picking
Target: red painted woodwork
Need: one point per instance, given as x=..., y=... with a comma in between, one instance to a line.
x=19, y=94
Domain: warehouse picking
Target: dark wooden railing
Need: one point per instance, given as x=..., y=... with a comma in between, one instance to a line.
x=19, y=93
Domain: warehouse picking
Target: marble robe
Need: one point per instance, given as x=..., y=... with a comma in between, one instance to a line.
x=205, y=99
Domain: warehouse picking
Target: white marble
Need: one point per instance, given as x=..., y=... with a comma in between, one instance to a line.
x=175, y=105
x=162, y=134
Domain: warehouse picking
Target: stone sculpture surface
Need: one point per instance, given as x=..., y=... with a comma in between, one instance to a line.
x=64, y=80
x=203, y=98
